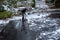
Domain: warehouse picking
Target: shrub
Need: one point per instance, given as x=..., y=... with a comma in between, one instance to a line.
x=1, y=8
x=5, y=14
x=33, y=4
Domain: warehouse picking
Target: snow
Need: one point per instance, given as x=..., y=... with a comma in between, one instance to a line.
x=20, y=17
x=50, y=39
x=15, y=10
x=44, y=6
x=50, y=25
x=4, y=22
x=34, y=16
x=6, y=7
x=41, y=4
x=58, y=30
x=20, y=8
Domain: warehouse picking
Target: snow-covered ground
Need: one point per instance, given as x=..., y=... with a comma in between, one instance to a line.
x=46, y=28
